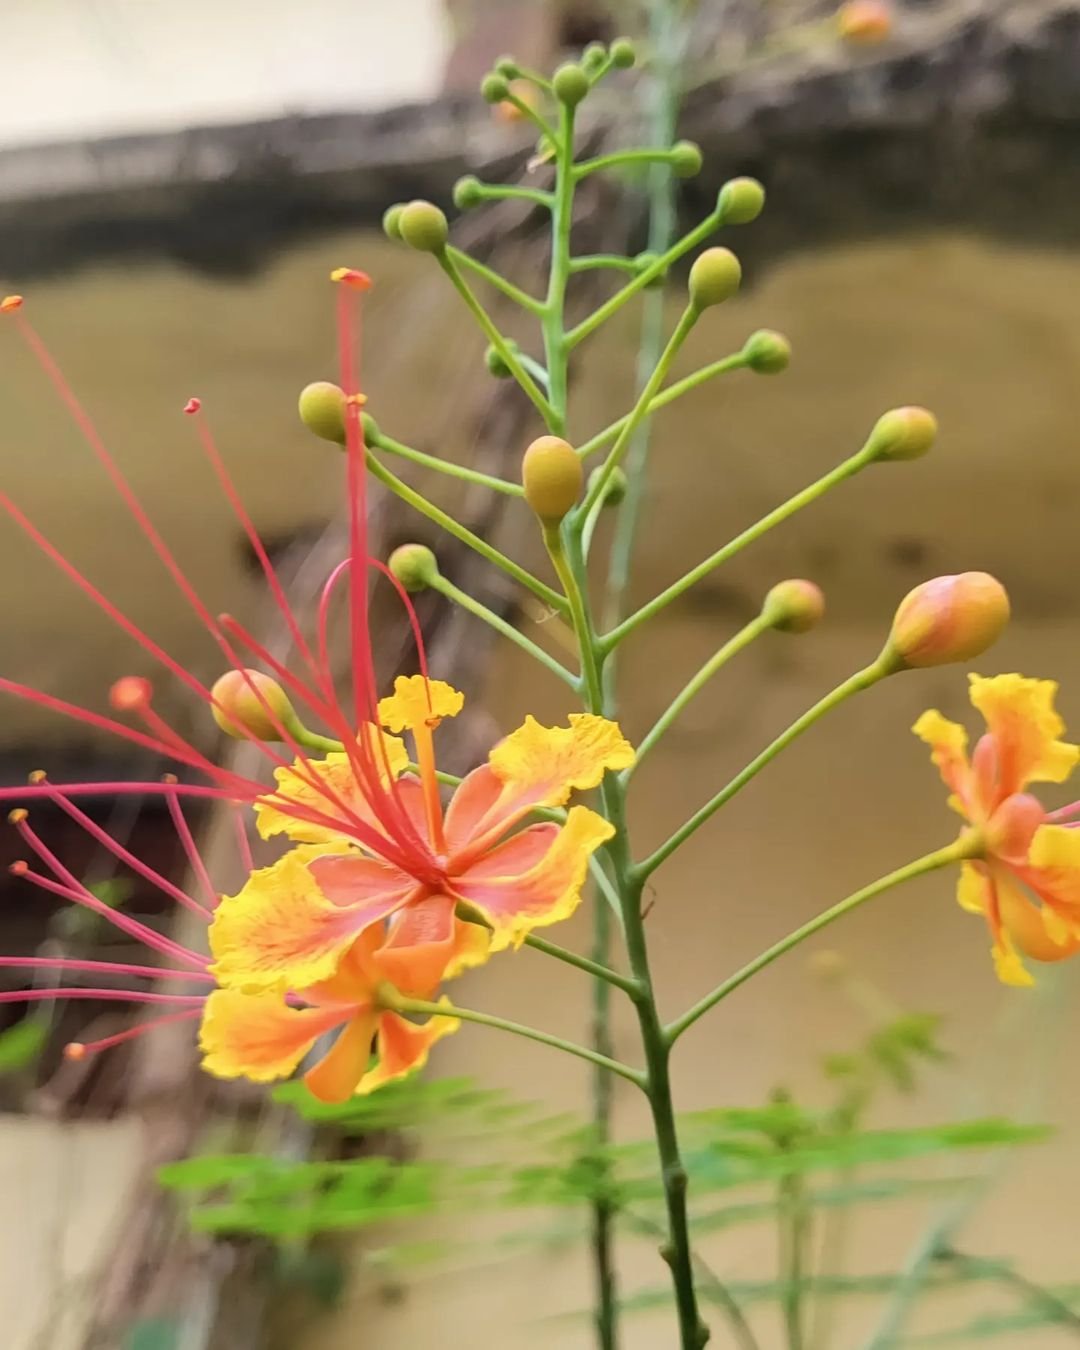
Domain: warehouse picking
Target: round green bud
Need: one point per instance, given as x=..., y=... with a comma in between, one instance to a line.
x=507, y=67
x=247, y=703
x=767, y=352
x=594, y=56
x=468, y=192
x=391, y=221
x=495, y=363
x=570, y=84
x=714, y=277
x=424, y=227
x=322, y=410
x=369, y=428
x=494, y=88
x=414, y=566
x=903, y=433
x=686, y=159
x=794, y=606
x=623, y=53
x=552, y=474
x=740, y=201
x=615, y=491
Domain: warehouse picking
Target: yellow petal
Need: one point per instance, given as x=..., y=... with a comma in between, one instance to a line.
x=403, y=1047
x=1008, y=966
x=337, y=1075
x=971, y=889
x=472, y=947
x=259, y=1036
x=327, y=787
x=547, y=890
x=948, y=745
x=1021, y=718
x=418, y=702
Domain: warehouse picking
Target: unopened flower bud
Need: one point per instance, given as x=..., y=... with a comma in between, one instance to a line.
x=468, y=192
x=494, y=87
x=391, y=221
x=414, y=566
x=424, y=227
x=686, y=159
x=864, y=21
x=496, y=365
x=506, y=65
x=594, y=56
x=243, y=713
x=740, y=201
x=570, y=84
x=794, y=606
x=903, y=433
x=615, y=488
x=523, y=91
x=947, y=619
x=714, y=277
x=369, y=429
x=552, y=474
x=766, y=352
x=322, y=410
x=623, y=53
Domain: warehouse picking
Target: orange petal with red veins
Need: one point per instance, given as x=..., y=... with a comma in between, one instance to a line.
x=403, y=1046
x=259, y=1036
x=337, y=1075
x=516, y=890
x=282, y=930
x=420, y=945
x=1020, y=716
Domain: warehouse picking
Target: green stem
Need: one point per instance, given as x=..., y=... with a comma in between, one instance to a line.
x=602, y=973
x=579, y=615
x=854, y=684
x=459, y=597
x=693, y=686
x=491, y=332
x=311, y=740
x=604, y=1213
x=735, y=362
x=930, y=862
x=1055, y=1308
x=587, y=262
x=840, y=474
x=498, y=192
x=420, y=503
x=617, y=158
x=496, y=279
x=390, y=998
x=526, y=110
x=380, y=441
x=793, y=1226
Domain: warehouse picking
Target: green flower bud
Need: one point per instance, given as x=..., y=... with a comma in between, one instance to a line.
x=794, y=606
x=623, y=53
x=242, y=713
x=508, y=67
x=369, y=429
x=714, y=277
x=570, y=84
x=391, y=221
x=767, y=352
x=494, y=88
x=552, y=474
x=322, y=410
x=686, y=159
x=468, y=192
x=424, y=227
x=414, y=566
x=615, y=491
x=594, y=56
x=495, y=364
x=903, y=433
x=740, y=201
x=947, y=619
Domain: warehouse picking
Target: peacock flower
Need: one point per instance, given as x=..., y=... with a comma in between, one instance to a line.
x=255, y=1036
x=1025, y=880
x=294, y=921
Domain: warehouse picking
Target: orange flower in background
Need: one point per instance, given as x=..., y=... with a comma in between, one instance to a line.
x=864, y=22
x=1026, y=882
x=293, y=922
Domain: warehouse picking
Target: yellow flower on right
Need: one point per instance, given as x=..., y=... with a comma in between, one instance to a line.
x=1025, y=880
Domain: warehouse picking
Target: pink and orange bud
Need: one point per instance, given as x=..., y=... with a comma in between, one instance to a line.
x=10, y=303
x=947, y=619
x=131, y=693
x=241, y=711
x=192, y=406
x=903, y=433
x=864, y=21
x=794, y=606
x=352, y=277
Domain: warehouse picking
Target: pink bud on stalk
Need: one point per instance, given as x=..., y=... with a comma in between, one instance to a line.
x=242, y=712
x=947, y=619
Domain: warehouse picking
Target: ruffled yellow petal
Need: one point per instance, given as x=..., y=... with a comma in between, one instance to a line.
x=546, y=891
x=948, y=745
x=971, y=889
x=337, y=787
x=472, y=947
x=282, y=931
x=1007, y=964
x=403, y=1047
x=418, y=702
x=1021, y=718
x=259, y=1036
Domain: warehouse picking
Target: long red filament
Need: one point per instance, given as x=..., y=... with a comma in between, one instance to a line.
x=81, y=1049
x=101, y=968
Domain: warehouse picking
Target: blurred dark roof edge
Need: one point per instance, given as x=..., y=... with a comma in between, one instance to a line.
x=971, y=118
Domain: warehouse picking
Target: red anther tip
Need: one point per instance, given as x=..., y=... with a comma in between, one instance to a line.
x=74, y=1050
x=130, y=693
x=19, y=867
x=192, y=406
x=357, y=400
x=349, y=276
x=17, y=817
x=169, y=778
x=10, y=302
x=37, y=776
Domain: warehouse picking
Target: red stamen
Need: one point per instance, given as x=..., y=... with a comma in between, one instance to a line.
x=243, y=843
x=101, y=968
x=10, y=303
x=352, y=277
x=191, y=852
x=79, y=1050
x=106, y=995
x=192, y=406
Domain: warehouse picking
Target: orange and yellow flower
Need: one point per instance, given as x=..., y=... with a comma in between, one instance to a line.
x=293, y=922
x=1026, y=878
